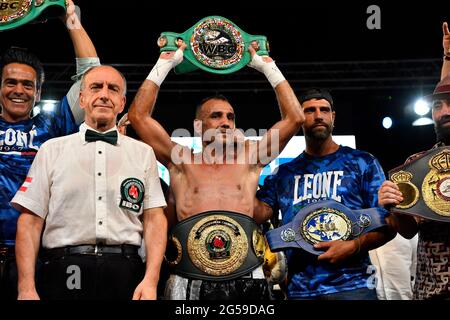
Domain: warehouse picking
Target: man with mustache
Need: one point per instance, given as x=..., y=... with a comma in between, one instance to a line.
x=433, y=258
x=223, y=178
x=326, y=171
x=431, y=282
x=397, y=260
x=22, y=135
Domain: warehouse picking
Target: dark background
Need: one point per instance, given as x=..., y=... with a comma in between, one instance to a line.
x=372, y=73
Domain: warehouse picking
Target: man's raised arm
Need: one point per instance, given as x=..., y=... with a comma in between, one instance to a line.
x=292, y=116
x=445, y=71
x=86, y=57
x=148, y=129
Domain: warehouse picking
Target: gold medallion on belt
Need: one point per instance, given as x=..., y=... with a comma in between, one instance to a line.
x=409, y=191
x=326, y=224
x=436, y=185
x=218, y=245
x=11, y=10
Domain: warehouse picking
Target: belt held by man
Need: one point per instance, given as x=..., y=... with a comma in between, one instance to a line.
x=125, y=249
x=215, y=246
x=322, y=222
x=15, y=13
x=425, y=185
x=215, y=44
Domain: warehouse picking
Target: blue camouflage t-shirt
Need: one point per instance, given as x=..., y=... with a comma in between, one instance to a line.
x=19, y=143
x=351, y=177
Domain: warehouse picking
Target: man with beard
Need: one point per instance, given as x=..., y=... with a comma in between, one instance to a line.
x=223, y=178
x=397, y=260
x=326, y=171
x=433, y=258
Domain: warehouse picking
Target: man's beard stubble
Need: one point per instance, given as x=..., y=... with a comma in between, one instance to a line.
x=320, y=135
x=443, y=132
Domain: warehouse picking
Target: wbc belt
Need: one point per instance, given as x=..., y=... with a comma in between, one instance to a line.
x=425, y=185
x=14, y=13
x=321, y=222
x=215, y=246
x=215, y=44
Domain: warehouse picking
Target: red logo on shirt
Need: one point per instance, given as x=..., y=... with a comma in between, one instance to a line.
x=133, y=192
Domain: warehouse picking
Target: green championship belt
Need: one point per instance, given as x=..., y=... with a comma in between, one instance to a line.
x=14, y=13
x=215, y=44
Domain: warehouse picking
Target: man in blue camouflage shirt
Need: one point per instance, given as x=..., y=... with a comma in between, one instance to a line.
x=21, y=135
x=326, y=171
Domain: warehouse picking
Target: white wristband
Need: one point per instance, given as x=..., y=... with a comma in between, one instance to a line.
x=270, y=70
x=163, y=67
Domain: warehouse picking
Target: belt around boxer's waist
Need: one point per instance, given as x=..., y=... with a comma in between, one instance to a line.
x=125, y=249
x=215, y=246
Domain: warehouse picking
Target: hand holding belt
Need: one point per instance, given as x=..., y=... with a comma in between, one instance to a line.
x=14, y=13
x=215, y=44
x=324, y=221
x=425, y=185
x=215, y=246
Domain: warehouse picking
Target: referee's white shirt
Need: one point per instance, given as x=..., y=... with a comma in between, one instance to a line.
x=76, y=187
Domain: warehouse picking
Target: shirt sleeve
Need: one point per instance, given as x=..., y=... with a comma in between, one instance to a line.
x=34, y=194
x=154, y=196
x=83, y=65
x=268, y=192
x=73, y=96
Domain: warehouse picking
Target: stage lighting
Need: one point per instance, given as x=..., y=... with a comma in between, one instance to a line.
x=387, y=122
x=421, y=107
x=424, y=121
x=48, y=105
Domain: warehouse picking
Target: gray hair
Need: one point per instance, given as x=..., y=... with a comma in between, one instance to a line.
x=83, y=77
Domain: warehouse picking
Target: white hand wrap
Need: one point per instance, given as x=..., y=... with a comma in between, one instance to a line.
x=270, y=70
x=163, y=67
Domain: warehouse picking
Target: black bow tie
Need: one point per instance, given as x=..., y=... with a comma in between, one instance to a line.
x=109, y=137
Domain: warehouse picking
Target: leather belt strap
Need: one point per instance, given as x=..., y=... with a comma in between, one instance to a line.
x=215, y=246
x=324, y=221
x=98, y=250
x=425, y=185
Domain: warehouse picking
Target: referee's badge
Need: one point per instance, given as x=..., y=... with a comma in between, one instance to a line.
x=132, y=194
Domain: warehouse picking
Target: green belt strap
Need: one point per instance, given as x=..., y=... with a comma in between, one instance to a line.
x=215, y=44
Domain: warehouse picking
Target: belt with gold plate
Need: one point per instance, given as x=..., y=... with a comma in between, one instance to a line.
x=425, y=185
x=215, y=246
x=215, y=44
x=14, y=13
x=324, y=221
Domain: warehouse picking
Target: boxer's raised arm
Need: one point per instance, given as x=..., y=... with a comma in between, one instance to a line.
x=292, y=116
x=86, y=57
x=82, y=43
x=141, y=109
x=148, y=129
x=446, y=46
